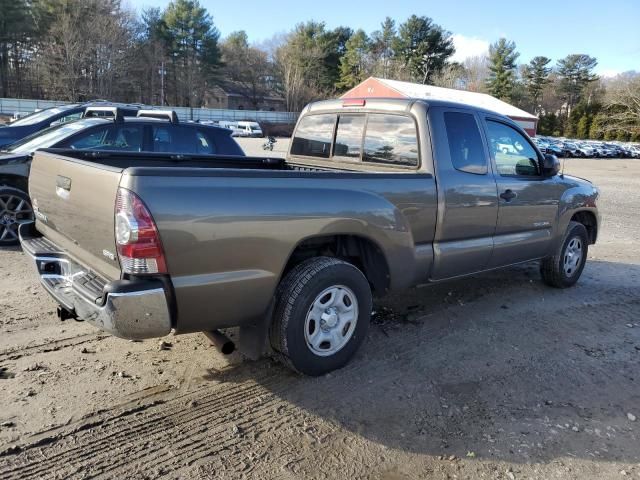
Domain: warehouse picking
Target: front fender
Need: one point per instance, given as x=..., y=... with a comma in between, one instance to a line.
x=581, y=197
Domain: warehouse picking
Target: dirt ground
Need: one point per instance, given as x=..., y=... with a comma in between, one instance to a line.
x=495, y=376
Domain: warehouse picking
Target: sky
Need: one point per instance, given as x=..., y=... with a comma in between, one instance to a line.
x=608, y=30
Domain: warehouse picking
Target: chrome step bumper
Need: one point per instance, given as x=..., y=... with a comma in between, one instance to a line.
x=127, y=309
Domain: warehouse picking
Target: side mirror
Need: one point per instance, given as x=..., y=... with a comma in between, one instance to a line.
x=550, y=165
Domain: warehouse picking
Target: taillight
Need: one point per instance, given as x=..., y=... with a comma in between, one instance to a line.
x=139, y=247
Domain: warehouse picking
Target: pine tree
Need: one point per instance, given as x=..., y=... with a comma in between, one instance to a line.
x=502, y=65
x=595, y=130
x=192, y=44
x=353, y=64
x=582, y=129
x=382, y=47
x=423, y=47
x=536, y=76
x=575, y=73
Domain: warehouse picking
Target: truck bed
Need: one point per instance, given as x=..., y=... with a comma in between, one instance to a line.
x=229, y=225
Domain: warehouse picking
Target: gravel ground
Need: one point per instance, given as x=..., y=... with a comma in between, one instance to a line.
x=495, y=376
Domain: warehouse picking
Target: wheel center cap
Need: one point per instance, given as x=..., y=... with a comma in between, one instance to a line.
x=330, y=318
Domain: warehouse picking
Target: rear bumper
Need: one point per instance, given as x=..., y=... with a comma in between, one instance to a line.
x=127, y=309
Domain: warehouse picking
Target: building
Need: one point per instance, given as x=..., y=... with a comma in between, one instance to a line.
x=230, y=98
x=380, y=87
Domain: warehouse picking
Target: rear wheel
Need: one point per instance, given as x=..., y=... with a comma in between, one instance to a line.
x=565, y=267
x=15, y=209
x=322, y=315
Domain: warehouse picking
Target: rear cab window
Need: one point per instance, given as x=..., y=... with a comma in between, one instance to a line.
x=366, y=138
x=314, y=136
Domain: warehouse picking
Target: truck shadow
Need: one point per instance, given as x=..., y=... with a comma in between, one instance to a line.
x=498, y=365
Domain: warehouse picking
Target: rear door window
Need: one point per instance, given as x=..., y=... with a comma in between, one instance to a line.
x=465, y=143
x=391, y=139
x=314, y=136
x=178, y=139
x=349, y=136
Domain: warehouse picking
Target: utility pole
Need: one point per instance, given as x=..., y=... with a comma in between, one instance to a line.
x=162, y=73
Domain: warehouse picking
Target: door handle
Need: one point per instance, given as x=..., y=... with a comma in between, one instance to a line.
x=508, y=195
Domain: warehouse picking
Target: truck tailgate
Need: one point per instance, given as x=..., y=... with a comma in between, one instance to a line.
x=74, y=207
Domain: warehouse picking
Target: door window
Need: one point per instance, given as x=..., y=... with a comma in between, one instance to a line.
x=314, y=136
x=465, y=143
x=177, y=139
x=514, y=155
x=391, y=139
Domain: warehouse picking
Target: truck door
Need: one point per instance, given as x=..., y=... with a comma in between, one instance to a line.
x=467, y=195
x=528, y=201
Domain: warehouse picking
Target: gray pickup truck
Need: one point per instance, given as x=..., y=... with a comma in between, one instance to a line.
x=374, y=195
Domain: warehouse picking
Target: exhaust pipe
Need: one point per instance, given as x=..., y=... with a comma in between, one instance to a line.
x=219, y=340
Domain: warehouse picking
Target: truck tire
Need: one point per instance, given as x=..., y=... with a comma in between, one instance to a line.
x=321, y=317
x=15, y=209
x=563, y=269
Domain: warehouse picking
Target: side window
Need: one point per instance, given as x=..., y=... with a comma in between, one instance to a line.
x=95, y=138
x=465, y=143
x=314, y=136
x=161, y=139
x=177, y=139
x=391, y=139
x=349, y=136
x=513, y=153
x=67, y=118
x=127, y=138
x=204, y=143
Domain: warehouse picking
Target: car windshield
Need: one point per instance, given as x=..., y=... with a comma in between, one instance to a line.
x=46, y=138
x=38, y=116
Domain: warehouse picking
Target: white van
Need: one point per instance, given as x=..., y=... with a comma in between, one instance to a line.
x=233, y=126
x=250, y=129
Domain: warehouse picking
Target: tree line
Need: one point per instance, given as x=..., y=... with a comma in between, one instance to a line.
x=87, y=49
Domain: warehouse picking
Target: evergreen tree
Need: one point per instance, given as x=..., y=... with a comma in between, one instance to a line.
x=502, y=67
x=595, y=129
x=536, y=76
x=382, y=47
x=575, y=73
x=582, y=129
x=353, y=64
x=423, y=47
x=192, y=45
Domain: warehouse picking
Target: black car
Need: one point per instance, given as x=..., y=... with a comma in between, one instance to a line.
x=122, y=134
x=43, y=119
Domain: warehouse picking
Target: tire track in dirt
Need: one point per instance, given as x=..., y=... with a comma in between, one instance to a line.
x=161, y=425
x=52, y=346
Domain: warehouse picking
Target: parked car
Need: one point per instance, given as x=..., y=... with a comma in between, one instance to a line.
x=556, y=149
x=97, y=133
x=49, y=117
x=584, y=150
x=291, y=251
x=250, y=129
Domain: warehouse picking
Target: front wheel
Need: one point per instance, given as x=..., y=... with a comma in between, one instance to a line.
x=15, y=209
x=564, y=268
x=322, y=315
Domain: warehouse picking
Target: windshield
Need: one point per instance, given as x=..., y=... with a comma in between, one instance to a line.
x=38, y=116
x=46, y=138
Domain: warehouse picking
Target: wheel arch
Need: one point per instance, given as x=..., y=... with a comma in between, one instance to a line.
x=590, y=222
x=14, y=181
x=359, y=250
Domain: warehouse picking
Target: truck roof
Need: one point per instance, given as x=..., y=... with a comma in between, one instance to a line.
x=389, y=105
